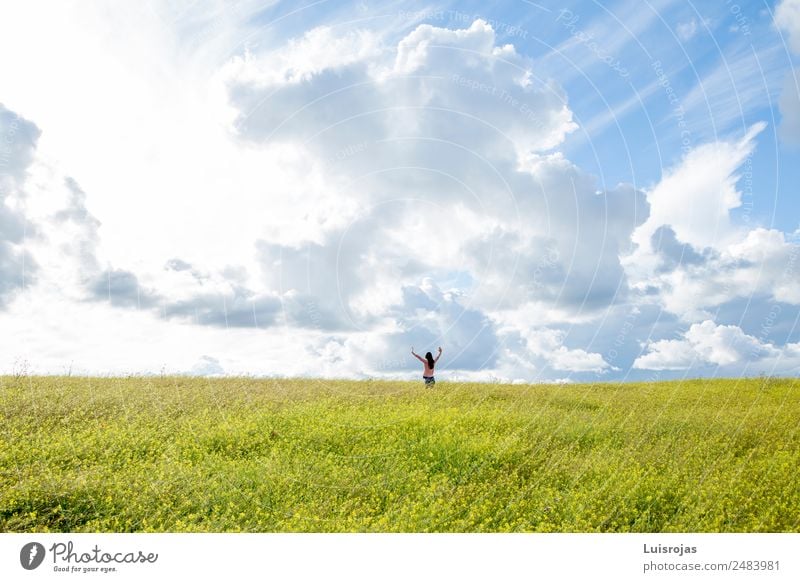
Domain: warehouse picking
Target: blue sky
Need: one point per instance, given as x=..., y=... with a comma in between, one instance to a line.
x=552, y=192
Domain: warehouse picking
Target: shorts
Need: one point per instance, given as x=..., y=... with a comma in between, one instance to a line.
x=429, y=380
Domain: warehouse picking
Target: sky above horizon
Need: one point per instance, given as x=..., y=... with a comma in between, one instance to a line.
x=551, y=192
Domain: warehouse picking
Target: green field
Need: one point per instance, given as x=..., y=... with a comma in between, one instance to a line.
x=241, y=454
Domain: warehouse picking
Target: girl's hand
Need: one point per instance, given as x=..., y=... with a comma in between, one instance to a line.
x=440, y=349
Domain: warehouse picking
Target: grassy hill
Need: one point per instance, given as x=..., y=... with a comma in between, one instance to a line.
x=195, y=454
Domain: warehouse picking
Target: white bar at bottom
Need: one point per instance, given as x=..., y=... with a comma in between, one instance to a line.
x=378, y=557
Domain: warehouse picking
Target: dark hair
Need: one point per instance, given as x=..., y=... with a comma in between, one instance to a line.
x=429, y=357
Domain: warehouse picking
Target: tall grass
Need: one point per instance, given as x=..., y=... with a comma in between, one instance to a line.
x=238, y=454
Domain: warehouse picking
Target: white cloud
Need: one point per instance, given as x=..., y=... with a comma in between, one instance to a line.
x=320, y=49
x=207, y=366
x=143, y=124
x=422, y=47
x=720, y=345
x=18, y=269
x=686, y=30
x=725, y=344
x=544, y=347
x=696, y=196
x=789, y=104
x=691, y=258
x=667, y=355
x=322, y=245
x=711, y=260
x=454, y=85
x=485, y=206
x=787, y=17
x=760, y=263
x=315, y=205
x=578, y=360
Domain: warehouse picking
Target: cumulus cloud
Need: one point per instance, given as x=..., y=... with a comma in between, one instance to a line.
x=761, y=264
x=719, y=345
x=546, y=346
x=689, y=255
x=236, y=307
x=180, y=291
x=667, y=355
x=362, y=243
x=426, y=317
x=674, y=252
x=509, y=222
x=696, y=196
x=431, y=317
x=362, y=191
x=316, y=51
x=454, y=85
x=216, y=301
x=17, y=269
x=121, y=289
x=533, y=233
x=18, y=138
x=686, y=30
x=787, y=18
x=178, y=265
x=207, y=366
x=789, y=104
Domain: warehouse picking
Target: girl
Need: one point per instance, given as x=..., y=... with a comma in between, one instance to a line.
x=428, y=363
